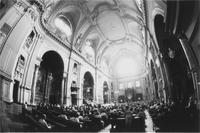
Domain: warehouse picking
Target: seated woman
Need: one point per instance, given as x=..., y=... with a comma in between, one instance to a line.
x=42, y=121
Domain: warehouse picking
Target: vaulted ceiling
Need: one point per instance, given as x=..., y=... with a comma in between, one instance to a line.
x=112, y=28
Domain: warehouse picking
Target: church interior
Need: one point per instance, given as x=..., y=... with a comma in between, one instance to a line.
x=100, y=65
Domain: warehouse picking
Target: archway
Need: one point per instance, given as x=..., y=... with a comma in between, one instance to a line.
x=88, y=88
x=49, y=80
x=177, y=64
x=105, y=92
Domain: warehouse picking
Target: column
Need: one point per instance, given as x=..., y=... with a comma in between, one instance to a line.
x=95, y=86
x=48, y=87
x=63, y=93
x=35, y=76
x=1, y=86
x=193, y=64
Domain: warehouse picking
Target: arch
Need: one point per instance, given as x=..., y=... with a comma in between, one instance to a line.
x=156, y=12
x=49, y=80
x=88, y=87
x=177, y=64
x=69, y=10
x=103, y=6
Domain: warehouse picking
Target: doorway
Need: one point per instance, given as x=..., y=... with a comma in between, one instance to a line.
x=49, y=80
x=88, y=87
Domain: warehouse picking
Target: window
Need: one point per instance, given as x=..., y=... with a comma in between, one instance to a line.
x=75, y=68
x=29, y=40
x=137, y=83
x=121, y=86
x=130, y=85
x=64, y=25
x=20, y=67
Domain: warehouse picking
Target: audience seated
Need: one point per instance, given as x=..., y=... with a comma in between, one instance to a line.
x=122, y=117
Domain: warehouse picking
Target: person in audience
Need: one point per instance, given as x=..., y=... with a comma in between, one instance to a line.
x=96, y=117
x=128, y=118
x=25, y=109
x=74, y=117
x=63, y=116
x=43, y=121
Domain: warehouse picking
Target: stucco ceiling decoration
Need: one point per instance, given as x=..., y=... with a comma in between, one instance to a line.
x=92, y=39
x=95, y=4
x=129, y=43
x=111, y=27
x=112, y=51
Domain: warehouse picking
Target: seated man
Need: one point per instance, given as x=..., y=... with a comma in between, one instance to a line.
x=42, y=121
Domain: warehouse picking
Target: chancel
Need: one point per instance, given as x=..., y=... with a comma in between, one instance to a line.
x=99, y=65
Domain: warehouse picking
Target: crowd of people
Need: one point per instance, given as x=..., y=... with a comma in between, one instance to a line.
x=168, y=116
x=174, y=116
x=88, y=117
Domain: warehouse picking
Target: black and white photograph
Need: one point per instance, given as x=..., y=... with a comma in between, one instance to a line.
x=100, y=66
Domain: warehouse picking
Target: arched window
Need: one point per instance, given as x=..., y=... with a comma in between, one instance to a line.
x=64, y=25
x=75, y=68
